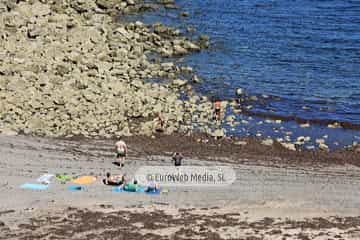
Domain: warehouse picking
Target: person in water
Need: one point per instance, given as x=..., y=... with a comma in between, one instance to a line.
x=121, y=152
x=217, y=110
x=177, y=159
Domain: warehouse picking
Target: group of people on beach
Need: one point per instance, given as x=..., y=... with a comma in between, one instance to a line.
x=121, y=150
x=121, y=181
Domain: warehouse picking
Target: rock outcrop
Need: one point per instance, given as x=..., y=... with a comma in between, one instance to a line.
x=66, y=68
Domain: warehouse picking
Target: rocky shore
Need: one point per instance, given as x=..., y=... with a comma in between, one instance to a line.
x=74, y=68
x=71, y=68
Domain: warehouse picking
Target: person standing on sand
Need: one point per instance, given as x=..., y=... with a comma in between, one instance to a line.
x=121, y=152
x=177, y=159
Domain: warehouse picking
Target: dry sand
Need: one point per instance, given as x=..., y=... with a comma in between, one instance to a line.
x=263, y=203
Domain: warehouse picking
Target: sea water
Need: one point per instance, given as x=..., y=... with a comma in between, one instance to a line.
x=305, y=54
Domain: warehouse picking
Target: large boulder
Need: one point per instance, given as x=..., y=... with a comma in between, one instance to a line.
x=289, y=146
x=267, y=142
x=82, y=6
x=105, y=4
x=35, y=10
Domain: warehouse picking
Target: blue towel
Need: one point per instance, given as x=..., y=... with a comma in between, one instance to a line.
x=155, y=192
x=34, y=186
x=76, y=188
x=117, y=189
x=140, y=190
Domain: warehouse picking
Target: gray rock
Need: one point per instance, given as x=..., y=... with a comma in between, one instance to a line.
x=289, y=146
x=167, y=66
x=166, y=1
x=239, y=92
x=180, y=50
x=105, y=4
x=82, y=6
x=218, y=133
x=241, y=143
x=8, y=132
x=267, y=142
x=179, y=82
x=196, y=79
x=191, y=46
x=171, y=6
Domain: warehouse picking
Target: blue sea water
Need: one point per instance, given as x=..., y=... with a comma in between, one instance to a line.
x=305, y=52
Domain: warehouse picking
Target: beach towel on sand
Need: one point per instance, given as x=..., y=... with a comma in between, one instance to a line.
x=76, y=188
x=45, y=178
x=139, y=190
x=84, y=180
x=154, y=192
x=119, y=189
x=64, y=178
x=34, y=186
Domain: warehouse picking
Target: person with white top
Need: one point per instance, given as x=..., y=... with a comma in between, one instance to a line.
x=121, y=152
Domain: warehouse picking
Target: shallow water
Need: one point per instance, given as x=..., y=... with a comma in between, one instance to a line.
x=305, y=52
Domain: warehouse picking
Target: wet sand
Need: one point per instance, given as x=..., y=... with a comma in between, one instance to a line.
x=265, y=202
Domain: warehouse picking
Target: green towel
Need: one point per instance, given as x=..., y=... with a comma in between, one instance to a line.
x=64, y=178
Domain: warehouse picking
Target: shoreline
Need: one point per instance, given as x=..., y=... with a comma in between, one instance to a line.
x=228, y=150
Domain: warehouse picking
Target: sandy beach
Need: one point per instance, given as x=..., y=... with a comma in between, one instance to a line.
x=265, y=202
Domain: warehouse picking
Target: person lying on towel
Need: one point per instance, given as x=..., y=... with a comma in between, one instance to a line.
x=131, y=187
x=114, y=180
x=152, y=187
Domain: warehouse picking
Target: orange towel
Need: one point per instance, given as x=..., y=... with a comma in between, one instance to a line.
x=84, y=180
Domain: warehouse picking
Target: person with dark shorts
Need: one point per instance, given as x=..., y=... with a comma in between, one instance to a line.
x=177, y=159
x=114, y=180
x=121, y=152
